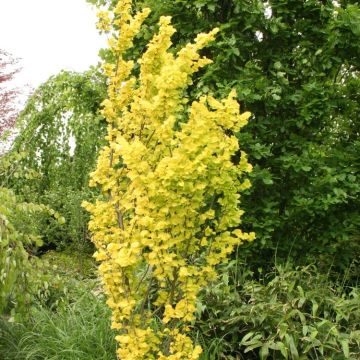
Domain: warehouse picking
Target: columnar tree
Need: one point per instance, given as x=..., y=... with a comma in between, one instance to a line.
x=169, y=208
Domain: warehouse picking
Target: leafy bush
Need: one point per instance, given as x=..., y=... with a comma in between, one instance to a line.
x=62, y=278
x=73, y=234
x=18, y=237
x=26, y=279
x=291, y=314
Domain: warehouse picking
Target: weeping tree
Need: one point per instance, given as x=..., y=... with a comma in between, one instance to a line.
x=60, y=132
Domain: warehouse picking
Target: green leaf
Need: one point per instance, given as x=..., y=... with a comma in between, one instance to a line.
x=264, y=352
x=345, y=347
x=235, y=51
x=315, y=308
x=283, y=349
x=247, y=336
x=267, y=181
x=291, y=343
x=305, y=330
x=276, y=97
x=256, y=345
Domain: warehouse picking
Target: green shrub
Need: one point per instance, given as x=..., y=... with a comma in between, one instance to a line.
x=67, y=316
x=19, y=236
x=25, y=278
x=291, y=314
x=61, y=278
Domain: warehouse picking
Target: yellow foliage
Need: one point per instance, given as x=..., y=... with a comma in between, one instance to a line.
x=170, y=191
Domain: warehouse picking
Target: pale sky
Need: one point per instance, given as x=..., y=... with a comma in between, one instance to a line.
x=49, y=35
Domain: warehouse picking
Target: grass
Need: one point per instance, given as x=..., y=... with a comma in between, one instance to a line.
x=77, y=331
x=69, y=321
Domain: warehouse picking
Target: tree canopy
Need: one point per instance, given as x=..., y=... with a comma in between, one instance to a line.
x=295, y=67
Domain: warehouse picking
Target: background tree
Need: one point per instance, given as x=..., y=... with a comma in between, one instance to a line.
x=60, y=131
x=295, y=67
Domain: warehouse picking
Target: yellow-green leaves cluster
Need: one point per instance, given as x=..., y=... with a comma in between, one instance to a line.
x=169, y=209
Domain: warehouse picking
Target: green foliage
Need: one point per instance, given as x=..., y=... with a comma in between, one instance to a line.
x=22, y=275
x=62, y=278
x=295, y=67
x=292, y=314
x=60, y=131
x=70, y=266
x=77, y=331
x=14, y=237
x=67, y=318
x=19, y=238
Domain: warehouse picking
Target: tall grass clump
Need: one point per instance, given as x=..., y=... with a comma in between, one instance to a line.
x=75, y=331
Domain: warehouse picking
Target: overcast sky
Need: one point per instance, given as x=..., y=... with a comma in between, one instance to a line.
x=49, y=35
